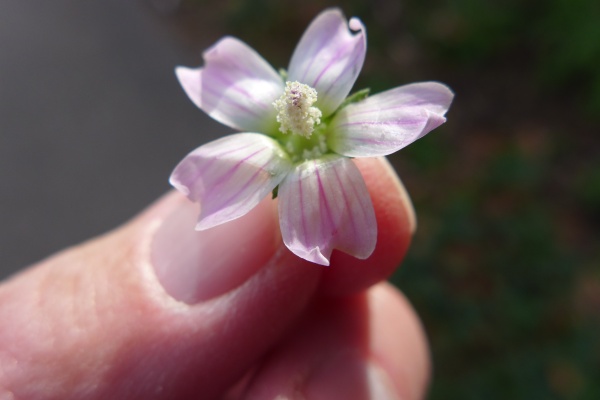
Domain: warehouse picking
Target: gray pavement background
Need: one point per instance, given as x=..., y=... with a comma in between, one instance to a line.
x=92, y=119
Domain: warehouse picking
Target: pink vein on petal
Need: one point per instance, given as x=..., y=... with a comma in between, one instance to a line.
x=331, y=62
x=324, y=40
x=230, y=84
x=345, y=197
x=302, y=215
x=232, y=170
x=241, y=67
x=219, y=95
x=245, y=186
x=381, y=110
x=387, y=122
x=359, y=195
x=212, y=160
x=323, y=196
x=367, y=140
x=348, y=65
x=234, y=104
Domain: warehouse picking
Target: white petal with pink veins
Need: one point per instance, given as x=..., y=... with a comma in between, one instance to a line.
x=230, y=176
x=236, y=86
x=329, y=58
x=386, y=122
x=324, y=204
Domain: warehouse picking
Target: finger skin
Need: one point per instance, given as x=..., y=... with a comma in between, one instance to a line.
x=398, y=341
x=333, y=351
x=94, y=322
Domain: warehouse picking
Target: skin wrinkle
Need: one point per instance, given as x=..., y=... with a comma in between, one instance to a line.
x=69, y=283
x=63, y=281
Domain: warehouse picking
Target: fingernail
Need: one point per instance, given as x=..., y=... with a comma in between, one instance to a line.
x=348, y=376
x=195, y=266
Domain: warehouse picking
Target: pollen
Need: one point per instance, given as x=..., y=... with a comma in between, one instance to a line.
x=295, y=111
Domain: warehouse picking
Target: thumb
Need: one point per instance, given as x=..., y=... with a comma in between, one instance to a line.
x=157, y=310
x=153, y=309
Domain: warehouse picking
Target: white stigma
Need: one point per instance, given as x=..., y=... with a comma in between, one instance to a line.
x=294, y=108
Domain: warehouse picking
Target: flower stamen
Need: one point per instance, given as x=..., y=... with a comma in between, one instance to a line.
x=295, y=112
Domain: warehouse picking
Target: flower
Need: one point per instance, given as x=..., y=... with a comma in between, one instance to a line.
x=299, y=134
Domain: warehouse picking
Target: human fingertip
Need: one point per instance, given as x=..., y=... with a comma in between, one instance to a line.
x=195, y=266
x=398, y=341
x=411, y=216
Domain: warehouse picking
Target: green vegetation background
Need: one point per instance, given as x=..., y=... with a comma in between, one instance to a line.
x=504, y=267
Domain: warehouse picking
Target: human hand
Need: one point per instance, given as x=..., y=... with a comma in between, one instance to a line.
x=156, y=310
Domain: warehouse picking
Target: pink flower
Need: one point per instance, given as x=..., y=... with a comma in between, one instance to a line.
x=298, y=136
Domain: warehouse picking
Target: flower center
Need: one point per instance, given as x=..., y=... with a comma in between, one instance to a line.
x=295, y=112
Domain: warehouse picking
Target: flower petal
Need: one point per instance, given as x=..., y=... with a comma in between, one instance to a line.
x=385, y=123
x=229, y=176
x=329, y=58
x=236, y=86
x=324, y=204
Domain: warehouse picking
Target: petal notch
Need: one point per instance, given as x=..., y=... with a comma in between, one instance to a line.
x=329, y=57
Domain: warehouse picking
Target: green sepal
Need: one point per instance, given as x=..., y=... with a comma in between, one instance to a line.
x=283, y=74
x=275, y=192
x=355, y=97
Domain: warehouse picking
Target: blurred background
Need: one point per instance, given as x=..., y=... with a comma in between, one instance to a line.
x=505, y=265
